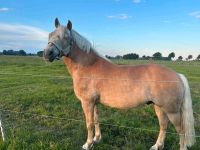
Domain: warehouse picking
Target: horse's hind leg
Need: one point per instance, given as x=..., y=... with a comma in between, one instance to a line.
x=97, y=136
x=163, y=121
x=175, y=118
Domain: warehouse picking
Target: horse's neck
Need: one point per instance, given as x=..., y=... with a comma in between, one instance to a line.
x=71, y=66
x=80, y=59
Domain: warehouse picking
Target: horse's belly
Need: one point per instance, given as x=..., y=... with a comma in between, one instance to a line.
x=123, y=97
x=122, y=103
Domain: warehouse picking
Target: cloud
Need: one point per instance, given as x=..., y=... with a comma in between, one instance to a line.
x=119, y=16
x=4, y=9
x=137, y=1
x=18, y=36
x=195, y=14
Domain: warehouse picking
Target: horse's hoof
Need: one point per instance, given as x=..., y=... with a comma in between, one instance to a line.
x=154, y=147
x=87, y=147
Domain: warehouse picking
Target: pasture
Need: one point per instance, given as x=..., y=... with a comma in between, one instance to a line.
x=53, y=117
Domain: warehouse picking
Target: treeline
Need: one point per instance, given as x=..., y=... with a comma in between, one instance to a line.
x=16, y=53
x=20, y=53
x=155, y=56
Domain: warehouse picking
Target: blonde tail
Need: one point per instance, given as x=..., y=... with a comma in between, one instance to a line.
x=187, y=114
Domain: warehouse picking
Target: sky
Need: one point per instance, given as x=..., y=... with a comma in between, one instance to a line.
x=115, y=27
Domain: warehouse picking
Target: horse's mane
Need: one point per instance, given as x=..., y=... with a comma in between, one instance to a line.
x=81, y=42
x=84, y=44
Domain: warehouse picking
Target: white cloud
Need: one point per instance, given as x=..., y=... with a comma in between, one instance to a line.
x=137, y=1
x=18, y=36
x=119, y=16
x=4, y=9
x=195, y=14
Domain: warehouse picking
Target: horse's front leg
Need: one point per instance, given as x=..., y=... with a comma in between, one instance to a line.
x=97, y=136
x=88, y=108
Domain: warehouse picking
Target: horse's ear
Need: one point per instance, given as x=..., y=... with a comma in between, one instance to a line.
x=69, y=25
x=57, y=23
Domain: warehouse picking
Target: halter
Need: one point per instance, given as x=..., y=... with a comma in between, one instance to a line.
x=65, y=51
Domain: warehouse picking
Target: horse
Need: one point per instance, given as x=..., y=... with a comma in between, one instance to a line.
x=97, y=80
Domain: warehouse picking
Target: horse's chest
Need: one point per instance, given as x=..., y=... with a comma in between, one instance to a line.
x=84, y=88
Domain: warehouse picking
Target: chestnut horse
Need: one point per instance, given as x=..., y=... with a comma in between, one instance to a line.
x=97, y=80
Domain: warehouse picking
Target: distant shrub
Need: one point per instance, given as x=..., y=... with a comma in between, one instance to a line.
x=40, y=53
x=198, y=57
x=131, y=56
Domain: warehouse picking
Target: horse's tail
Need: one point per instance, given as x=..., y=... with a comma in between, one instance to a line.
x=187, y=114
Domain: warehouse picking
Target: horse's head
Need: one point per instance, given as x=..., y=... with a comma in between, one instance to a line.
x=60, y=42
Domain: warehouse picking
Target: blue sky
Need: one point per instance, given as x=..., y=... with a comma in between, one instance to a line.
x=113, y=26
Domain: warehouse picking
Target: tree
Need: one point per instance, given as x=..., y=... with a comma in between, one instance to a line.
x=180, y=57
x=40, y=54
x=131, y=56
x=22, y=53
x=171, y=55
x=10, y=52
x=148, y=57
x=157, y=55
x=143, y=57
x=190, y=57
x=198, y=57
x=4, y=52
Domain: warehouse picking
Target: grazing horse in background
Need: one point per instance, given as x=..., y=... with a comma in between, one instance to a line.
x=97, y=80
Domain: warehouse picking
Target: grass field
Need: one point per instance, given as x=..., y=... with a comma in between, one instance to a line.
x=28, y=84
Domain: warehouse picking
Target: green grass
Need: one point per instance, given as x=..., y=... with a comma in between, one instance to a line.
x=28, y=84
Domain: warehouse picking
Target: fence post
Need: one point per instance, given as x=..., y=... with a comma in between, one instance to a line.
x=2, y=133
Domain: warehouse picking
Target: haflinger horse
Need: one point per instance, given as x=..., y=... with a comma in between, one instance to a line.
x=97, y=80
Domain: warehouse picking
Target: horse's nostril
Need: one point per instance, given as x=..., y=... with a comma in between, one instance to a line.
x=51, y=52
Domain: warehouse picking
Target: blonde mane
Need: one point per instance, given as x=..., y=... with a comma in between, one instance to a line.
x=84, y=44
x=81, y=42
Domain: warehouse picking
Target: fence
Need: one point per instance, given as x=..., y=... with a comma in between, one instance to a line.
x=76, y=120
x=82, y=121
